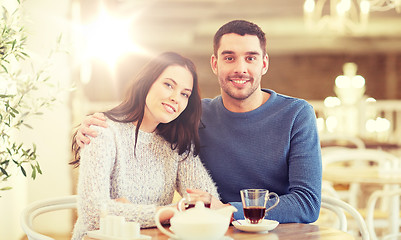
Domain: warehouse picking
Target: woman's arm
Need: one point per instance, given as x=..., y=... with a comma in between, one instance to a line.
x=193, y=175
x=95, y=189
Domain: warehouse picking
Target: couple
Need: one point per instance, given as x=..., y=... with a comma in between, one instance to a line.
x=248, y=138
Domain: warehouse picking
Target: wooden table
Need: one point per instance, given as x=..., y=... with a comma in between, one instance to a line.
x=370, y=175
x=288, y=231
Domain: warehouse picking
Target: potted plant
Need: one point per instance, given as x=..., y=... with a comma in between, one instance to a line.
x=20, y=99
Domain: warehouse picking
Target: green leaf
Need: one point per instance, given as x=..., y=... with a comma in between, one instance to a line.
x=33, y=175
x=13, y=44
x=14, y=110
x=5, y=188
x=4, y=68
x=23, y=170
x=38, y=168
x=3, y=171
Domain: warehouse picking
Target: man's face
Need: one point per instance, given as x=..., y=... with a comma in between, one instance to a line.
x=239, y=65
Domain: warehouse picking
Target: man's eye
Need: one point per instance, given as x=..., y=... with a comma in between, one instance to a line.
x=229, y=58
x=251, y=58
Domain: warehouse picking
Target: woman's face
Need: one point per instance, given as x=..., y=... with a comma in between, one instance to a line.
x=167, y=97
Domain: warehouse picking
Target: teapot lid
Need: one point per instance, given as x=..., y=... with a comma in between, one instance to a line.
x=199, y=214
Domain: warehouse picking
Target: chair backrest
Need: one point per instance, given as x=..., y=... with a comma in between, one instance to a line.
x=42, y=206
x=338, y=207
x=341, y=140
x=379, y=157
x=370, y=210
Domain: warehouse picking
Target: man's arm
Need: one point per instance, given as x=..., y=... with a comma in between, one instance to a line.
x=302, y=202
x=97, y=119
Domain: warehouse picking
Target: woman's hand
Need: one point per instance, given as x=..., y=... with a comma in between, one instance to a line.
x=215, y=203
x=122, y=200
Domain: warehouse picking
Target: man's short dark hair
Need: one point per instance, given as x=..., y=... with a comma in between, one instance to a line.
x=240, y=27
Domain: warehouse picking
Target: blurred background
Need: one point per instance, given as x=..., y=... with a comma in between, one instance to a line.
x=108, y=41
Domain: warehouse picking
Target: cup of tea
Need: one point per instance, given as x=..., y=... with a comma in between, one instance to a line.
x=189, y=200
x=254, y=204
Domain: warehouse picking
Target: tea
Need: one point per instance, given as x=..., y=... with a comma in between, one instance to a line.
x=254, y=213
x=191, y=205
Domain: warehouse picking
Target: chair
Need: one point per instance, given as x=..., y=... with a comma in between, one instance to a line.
x=338, y=207
x=42, y=206
x=341, y=141
x=359, y=158
x=371, y=212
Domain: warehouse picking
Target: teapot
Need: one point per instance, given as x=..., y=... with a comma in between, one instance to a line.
x=198, y=223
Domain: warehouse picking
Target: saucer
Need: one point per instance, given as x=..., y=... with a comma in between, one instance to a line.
x=222, y=238
x=265, y=225
x=96, y=234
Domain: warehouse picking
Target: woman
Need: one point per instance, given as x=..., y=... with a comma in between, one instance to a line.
x=148, y=150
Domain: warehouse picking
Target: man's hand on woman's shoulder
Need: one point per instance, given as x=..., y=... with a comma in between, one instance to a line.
x=84, y=130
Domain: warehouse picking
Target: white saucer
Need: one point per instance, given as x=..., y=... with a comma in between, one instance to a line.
x=96, y=234
x=265, y=225
x=222, y=238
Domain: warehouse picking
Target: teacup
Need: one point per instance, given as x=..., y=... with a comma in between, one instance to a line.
x=189, y=200
x=254, y=204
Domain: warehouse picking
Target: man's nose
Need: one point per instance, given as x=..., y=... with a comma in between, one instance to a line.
x=240, y=66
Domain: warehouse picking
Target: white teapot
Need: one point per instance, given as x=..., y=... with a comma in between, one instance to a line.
x=198, y=223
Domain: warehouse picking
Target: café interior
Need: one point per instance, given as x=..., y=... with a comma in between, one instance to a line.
x=342, y=56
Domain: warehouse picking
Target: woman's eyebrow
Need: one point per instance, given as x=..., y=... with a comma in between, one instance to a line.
x=175, y=83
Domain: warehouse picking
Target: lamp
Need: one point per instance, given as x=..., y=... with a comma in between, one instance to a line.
x=349, y=87
x=344, y=111
x=344, y=16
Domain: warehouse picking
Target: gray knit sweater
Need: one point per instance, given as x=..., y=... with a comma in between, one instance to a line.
x=109, y=169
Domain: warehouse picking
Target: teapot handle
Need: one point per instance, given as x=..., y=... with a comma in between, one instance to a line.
x=158, y=224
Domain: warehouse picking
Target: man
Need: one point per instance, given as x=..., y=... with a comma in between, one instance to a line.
x=256, y=138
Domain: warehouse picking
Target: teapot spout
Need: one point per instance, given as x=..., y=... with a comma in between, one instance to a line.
x=227, y=211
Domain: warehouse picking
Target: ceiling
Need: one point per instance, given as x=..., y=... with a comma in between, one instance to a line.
x=189, y=25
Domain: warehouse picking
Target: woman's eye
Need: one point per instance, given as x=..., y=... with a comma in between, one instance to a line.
x=168, y=85
x=185, y=95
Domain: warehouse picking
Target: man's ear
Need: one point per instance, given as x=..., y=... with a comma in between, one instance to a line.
x=265, y=64
x=213, y=63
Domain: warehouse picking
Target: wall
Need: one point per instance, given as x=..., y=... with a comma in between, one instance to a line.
x=305, y=75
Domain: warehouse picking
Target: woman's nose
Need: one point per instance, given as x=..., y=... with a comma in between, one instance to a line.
x=173, y=96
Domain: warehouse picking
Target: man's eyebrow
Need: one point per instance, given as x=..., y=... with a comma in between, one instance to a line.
x=252, y=53
x=247, y=53
x=227, y=52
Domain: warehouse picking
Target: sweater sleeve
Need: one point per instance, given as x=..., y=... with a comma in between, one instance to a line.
x=193, y=174
x=302, y=203
x=95, y=189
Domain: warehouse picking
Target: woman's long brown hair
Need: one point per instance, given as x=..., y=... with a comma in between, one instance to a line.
x=182, y=132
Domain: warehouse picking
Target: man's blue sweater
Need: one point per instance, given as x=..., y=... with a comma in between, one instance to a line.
x=275, y=147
